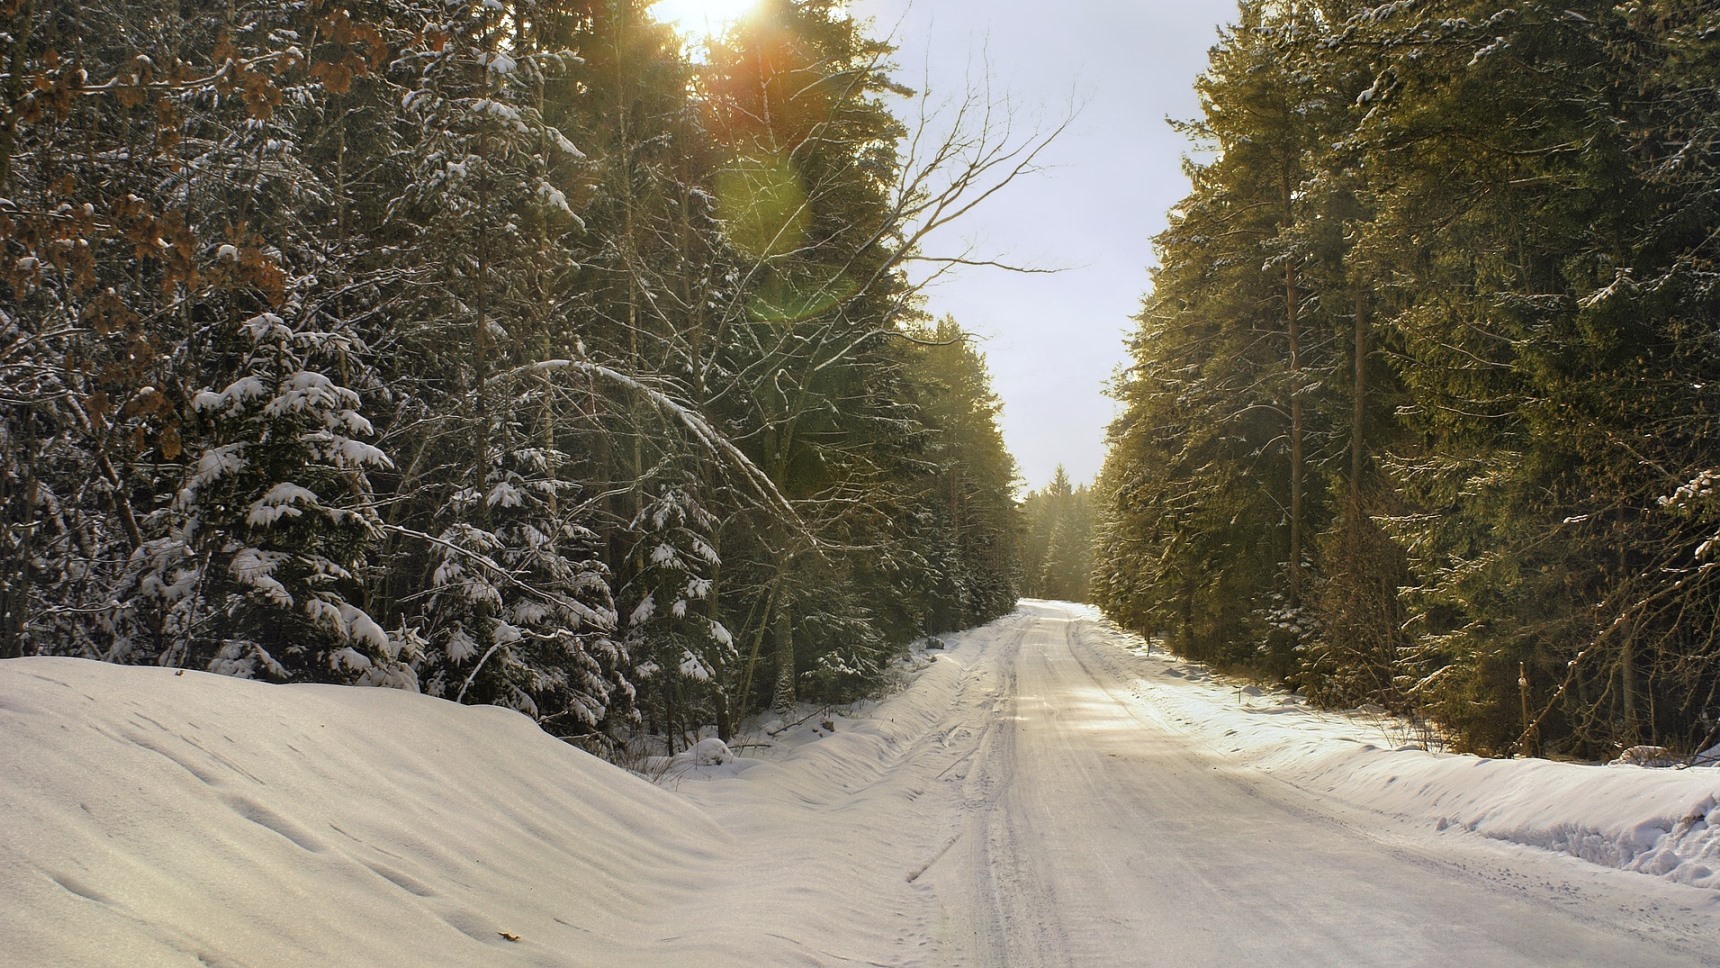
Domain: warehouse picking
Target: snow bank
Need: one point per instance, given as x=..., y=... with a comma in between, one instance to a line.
x=154, y=818
x=1654, y=821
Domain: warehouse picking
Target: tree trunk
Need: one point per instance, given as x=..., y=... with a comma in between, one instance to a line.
x=481, y=307
x=1358, y=414
x=720, y=674
x=12, y=90
x=743, y=695
x=1627, y=688
x=1531, y=742
x=1185, y=619
x=1627, y=669
x=782, y=699
x=1296, y=428
x=15, y=595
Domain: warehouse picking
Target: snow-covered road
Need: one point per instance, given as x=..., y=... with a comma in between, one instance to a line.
x=1045, y=791
x=1094, y=833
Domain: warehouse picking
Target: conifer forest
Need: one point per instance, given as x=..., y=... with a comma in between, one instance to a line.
x=519, y=353
x=498, y=350
x=914, y=483
x=1422, y=406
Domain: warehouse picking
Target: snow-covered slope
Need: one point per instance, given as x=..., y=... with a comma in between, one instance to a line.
x=149, y=818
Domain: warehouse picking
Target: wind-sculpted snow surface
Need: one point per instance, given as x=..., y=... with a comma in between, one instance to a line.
x=149, y=818
x=1040, y=792
x=152, y=818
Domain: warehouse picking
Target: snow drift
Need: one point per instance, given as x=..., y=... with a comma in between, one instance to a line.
x=155, y=818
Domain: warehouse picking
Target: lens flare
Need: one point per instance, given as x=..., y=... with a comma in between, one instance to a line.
x=701, y=19
x=763, y=206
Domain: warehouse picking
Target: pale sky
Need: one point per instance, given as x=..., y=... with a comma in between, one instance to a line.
x=1052, y=341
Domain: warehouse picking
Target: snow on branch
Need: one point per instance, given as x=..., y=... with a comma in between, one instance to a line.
x=708, y=436
x=597, y=619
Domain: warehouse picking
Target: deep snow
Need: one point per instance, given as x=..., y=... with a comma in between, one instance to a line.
x=151, y=818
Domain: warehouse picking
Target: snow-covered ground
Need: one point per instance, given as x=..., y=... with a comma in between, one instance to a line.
x=1042, y=792
x=1664, y=822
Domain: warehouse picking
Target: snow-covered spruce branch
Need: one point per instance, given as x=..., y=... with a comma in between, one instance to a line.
x=585, y=612
x=712, y=439
x=477, y=667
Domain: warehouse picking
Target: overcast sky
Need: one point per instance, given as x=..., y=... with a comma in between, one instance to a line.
x=1052, y=341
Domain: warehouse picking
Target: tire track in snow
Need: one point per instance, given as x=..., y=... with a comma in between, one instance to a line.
x=994, y=911
x=1097, y=833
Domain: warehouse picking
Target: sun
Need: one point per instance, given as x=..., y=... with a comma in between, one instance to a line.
x=698, y=20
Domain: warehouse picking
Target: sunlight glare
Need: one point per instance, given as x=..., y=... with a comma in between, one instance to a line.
x=698, y=20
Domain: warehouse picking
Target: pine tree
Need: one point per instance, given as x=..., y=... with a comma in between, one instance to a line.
x=976, y=527
x=1211, y=464
x=493, y=348
x=1468, y=190
x=1060, y=529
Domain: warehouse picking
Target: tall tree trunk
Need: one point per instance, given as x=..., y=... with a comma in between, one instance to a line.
x=1296, y=434
x=782, y=698
x=19, y=535
x=481, y=305
x=744, y=693
x=12, y=90
x=1185, y=618
x=955, y=509
x=1293, y=333
x=629, y=245
x=1358, y=450
x=1627, y=669
x=1627, y=688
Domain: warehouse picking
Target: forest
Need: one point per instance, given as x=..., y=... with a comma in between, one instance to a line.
x=1057, y=540
x=521, y=352
x=1422, y=406
x=505, y=351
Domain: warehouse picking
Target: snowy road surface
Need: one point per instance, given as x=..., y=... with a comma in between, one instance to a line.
x=1044, y=792
x=1093, y=834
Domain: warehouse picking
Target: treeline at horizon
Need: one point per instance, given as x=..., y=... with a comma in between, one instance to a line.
x=1057, y=540
x=1422, y=405
x=499, y=350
